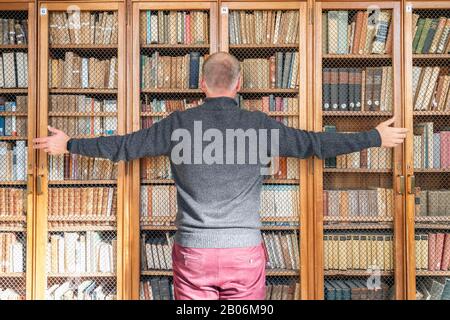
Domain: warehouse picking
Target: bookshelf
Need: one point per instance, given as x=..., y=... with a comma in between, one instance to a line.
x=358, y=198
x=17, y=109
x=264, y=35
x=178, y=36
x=426, y=110
x=79, y=234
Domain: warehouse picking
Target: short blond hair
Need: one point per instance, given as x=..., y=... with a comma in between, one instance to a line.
x=221, y=71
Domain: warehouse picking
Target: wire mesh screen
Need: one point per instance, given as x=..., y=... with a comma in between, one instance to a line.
x=431, y=142
x=266, y=42
x=13, y=152
x=173, y=47
x=82, y=194
x=358, y=208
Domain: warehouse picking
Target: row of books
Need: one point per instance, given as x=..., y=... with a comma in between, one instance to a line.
x=12, y=202
x=372, y=158
x=284, y=168
x=277, y=291
x=83, y=27
x=11, y=253
x=80, y=103
x=431, y=88
x=86, y=290
x=279, y=201
x=349, y=204
x=13, y=125
x=356, y=289
x=74, y=71
x=13, y=157
x=431, y=149
x=14, y=70
x=156, y=168
x=279, y=71
x=20, y=104
x=81, y=252
x=433, y=289
x=156, y=252
x=358, y=252
x=270, y=103
x=157, y=288
x=85, y=126
x=13, y=31
x=432, y=203
x=356, y=89
x=10, y=294
x=282, y=249
x=174, y=27
x=77, y=167
x=263, y=27
x=176, y=72
x=367, y=32
x=431, y=35
x=155, y=105
x=158, y=204
x=81, y=202
x=433, y=251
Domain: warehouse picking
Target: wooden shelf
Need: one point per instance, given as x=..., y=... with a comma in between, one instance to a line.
x=157, y=181
x=434, y=226
x=12, y=229
x=268, y=90
x=82, y=218
x=82, y=275
x=264, y=46
x=431, y=170
x=12, y=138
x=13, y=46
x=355, y=273
x=13, y=90
x=177, y=46
x=13, y=219
x=89, y=46
x=12, y=114
x=82, y=114
x=265, y=181
x=426, y=273
x=357, y=113
x=81, y=228
x=173, y=228
x=355, y=226
x=358, y=219
x=12, y=275
x=269, y=272
x=171, y=91
x=431, y=56
x=13, y=183
x=81, y=182
x=359, y=170
x=432, y=219
x=82, y=91
x=357, y=56
x=431, y=113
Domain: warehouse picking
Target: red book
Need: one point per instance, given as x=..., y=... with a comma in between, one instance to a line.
x=325, y=203
x=445, y=149
x=272, y=71
x=265, y=104
x=446, y=254
x=439, y=250
x=282, y=169
x=431, y=251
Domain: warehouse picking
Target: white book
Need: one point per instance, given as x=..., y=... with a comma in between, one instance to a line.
x=2, y=75
x=61, y=255
x=70, y=249
x=20, y=69
x=110, y=201
x=112, y=73
x=149, y=256
x=25, y=69
x=84, y=72
x=154, y=251
x=9, y=70
x=50, y=292
x=82, y=288
x=21, y=168
x=292, y=253
x=16, y=263
x=81, y=254
x=104, y=257
x=61, y=290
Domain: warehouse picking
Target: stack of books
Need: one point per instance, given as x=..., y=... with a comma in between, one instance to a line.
x=431, y=149
x=13, y=31
x=13, y=157
x=431, y=35
x=433, y=251
x=431, y=88
x=432, y=203
x=77, y=167
x=14, y=70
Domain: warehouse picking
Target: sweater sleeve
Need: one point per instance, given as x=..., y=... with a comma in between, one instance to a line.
x=303, y=144
x=149, y=142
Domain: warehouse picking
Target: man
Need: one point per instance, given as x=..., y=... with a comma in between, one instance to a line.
x=218, y=251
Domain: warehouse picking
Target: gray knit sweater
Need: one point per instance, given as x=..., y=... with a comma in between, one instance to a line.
x=218, y=201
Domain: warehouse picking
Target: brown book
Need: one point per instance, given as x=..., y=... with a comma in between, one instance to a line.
x=440, y=238
x=343, y=205
x=325, y=203
x=445, y=264
x=363, y=35
x=363, y=158
x=437, y=36
x=431, y=251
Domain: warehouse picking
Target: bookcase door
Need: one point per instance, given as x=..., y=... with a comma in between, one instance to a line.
x=81, y=86
x=17, y=99
x=269, y=39
x=359, y=197
x=427, y=97
x=177, y=36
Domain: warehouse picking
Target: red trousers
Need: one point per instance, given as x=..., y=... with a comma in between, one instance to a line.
x=225, y=273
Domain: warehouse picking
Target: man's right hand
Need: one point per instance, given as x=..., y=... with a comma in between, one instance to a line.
x=54, y=144
x=391, y=136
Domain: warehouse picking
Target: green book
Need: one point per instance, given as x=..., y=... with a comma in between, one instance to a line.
x=418, y=33
x=430, y=36
x=423, y=35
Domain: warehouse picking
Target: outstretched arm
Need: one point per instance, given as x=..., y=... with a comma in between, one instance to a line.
x=148, y=142
x=303, y=144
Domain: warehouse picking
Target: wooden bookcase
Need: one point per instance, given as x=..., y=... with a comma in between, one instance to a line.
x=427, y=175
x=89, y=38
x=16, y=216
x=151, y=180
x=237, y=38
x=343, y=227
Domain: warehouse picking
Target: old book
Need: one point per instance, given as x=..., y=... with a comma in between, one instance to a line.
x=381, y=33
x=343, y=89
x=423, y=35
